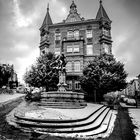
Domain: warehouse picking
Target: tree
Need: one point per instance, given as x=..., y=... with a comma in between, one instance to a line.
x=5, y=73
x=43, y=73
x=103, y=75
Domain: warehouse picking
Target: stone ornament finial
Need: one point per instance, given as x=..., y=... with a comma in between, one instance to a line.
x=48, y=7
x=100, y=1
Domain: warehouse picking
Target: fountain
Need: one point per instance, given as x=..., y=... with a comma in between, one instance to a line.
x=62, y=98
x=53, y=106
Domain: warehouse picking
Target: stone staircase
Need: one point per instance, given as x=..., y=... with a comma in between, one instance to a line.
x=95, y=123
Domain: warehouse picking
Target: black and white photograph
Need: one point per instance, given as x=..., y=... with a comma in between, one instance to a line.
x=69, y=70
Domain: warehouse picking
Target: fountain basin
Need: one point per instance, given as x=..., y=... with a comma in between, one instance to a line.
x=59, y=99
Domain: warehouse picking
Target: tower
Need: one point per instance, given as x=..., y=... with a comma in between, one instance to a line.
x=44, y=33
x=105, y=27
x=79, y=39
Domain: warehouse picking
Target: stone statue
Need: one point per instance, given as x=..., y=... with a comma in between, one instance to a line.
x=62, y=63
x=62, y=72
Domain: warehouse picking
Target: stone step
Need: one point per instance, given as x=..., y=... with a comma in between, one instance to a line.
x=97, y=118
x=89, y=133
x=55, y=121
x=78, y=129
x=101, y=129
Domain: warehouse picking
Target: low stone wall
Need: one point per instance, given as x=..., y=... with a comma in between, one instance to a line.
x=11, y=102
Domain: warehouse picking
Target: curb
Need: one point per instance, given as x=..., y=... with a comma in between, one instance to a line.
x=7, y=103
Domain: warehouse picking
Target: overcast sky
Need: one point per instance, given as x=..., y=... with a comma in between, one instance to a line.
x=20, y=21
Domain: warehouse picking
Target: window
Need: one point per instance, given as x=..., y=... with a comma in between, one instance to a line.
x=89, y=49
x=58, y=36
x=57, y=51
x=69, y=67
x=46, y=50
x=89, y=33
x=105, y=32
x=69, y=85
x=69, y=49
x=75, y=48
x=42, y=52
x=76, y=34
x=77, y=85
x=89, y=40
x=106, y=48
x=77, y=66
x=70, y=34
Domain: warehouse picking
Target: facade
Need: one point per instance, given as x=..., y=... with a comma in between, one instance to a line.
x=132, y=89
x=80, y=40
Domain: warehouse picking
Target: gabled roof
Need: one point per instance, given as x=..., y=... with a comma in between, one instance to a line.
x=101, y=14
x=73, y=15
x=47, y=20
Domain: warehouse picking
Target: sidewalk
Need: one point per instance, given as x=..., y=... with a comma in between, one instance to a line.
x=7, y=97
x=124, y=128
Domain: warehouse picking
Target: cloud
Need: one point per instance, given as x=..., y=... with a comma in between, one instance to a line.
x=20, y=47
x=24, y=63
x=20, y=19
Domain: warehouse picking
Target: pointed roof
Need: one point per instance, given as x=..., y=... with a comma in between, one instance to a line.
x=73, y=15
x=101, y=14
x=47, y=20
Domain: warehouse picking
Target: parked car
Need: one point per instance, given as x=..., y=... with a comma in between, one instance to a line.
x=20, y=89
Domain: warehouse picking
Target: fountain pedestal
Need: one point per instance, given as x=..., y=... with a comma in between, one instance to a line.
x=62, y=82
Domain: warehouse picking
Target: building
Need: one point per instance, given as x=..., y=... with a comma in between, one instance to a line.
x=79, y=39
x=132, y=89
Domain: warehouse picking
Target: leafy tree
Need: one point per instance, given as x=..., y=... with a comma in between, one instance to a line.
x=5, y=73
x=44, y=73
x=103, y=75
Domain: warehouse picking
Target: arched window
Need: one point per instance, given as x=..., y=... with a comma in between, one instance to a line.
x=77, y=85
x=76, y=34
x=69, y=67
x=69, y=83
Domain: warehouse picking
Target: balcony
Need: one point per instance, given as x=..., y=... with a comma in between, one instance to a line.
x=73, y=38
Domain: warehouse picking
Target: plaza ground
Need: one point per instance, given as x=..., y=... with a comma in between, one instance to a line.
x=124, y=128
